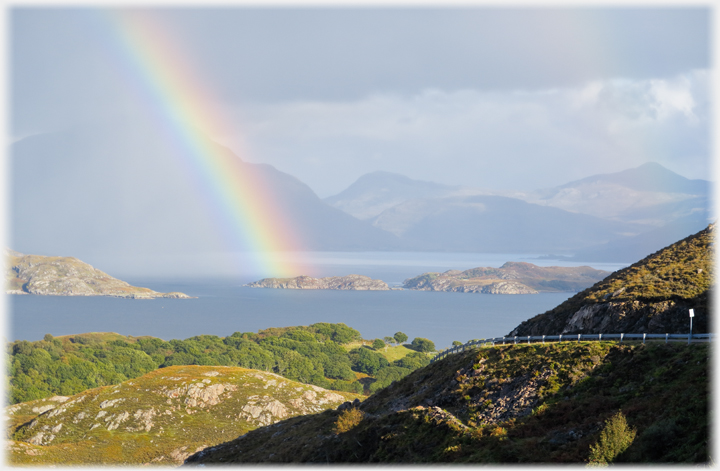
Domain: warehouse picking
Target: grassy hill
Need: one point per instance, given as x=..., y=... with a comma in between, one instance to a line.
x=537, y=403
x=160, y=417
x=652, y=295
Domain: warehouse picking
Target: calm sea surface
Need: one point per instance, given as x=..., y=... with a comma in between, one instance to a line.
x=224, y=306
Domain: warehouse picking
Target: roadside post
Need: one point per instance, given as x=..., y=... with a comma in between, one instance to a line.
x=692, y=314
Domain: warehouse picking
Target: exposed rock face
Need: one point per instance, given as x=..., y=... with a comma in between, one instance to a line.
x=68, y=276
x=500, y=287
x=161, y=417
x=511, y=278
x=653, y=295
x=349, y=282
x=670, y=316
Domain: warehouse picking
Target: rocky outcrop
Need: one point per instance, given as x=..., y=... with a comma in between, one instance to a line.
x=68, y=276
x=511, y=278
x=161, y=417
x=669, y=316
x=349, y=282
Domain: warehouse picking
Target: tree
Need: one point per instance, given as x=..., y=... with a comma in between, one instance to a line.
x=378, y=344
x=422, y=345
x=456, y=343
x=400, y=337
x=388, y=340
x=366, y=361
x=615, y=438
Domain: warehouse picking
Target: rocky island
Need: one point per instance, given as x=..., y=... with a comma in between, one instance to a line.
x=349, y=282
x=68, y=276
x=511, y=278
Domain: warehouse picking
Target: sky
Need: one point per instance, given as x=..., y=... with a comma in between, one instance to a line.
x=483, y=96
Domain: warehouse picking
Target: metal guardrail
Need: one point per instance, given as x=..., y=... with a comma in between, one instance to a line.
x=568, y=338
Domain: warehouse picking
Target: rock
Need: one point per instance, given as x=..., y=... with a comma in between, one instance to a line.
x=349, y=282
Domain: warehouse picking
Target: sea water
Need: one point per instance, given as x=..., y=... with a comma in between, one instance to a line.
x=224, y=305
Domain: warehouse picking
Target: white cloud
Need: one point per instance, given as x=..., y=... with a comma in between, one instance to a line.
x=502, y=139
x=671, y=97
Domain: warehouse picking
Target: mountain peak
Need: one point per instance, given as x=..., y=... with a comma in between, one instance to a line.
x=650, y=176
x=375, y=192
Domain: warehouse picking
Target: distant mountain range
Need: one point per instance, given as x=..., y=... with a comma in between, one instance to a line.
x=619, y=216
x=107, y=188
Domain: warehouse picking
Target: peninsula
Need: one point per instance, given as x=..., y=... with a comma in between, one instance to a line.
x=349, y=282
x=511, y=278
x=68, y=276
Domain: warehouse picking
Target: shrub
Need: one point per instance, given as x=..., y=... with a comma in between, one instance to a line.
x=659, y=438
x=615, y=438
x=348, y=419
x=378, y=344
x=422, y=345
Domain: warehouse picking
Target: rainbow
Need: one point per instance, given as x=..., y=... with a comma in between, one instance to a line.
x=153, y=62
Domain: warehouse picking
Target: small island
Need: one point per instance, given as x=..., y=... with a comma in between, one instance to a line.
x=68, y=276
x=349, y=282
x=511, y=278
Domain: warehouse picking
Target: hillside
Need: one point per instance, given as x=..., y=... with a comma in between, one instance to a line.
x=508, y=404
x=348, y=282
x=652, y=295
x=68, y=276
x=159, y=418
x=511, y=278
